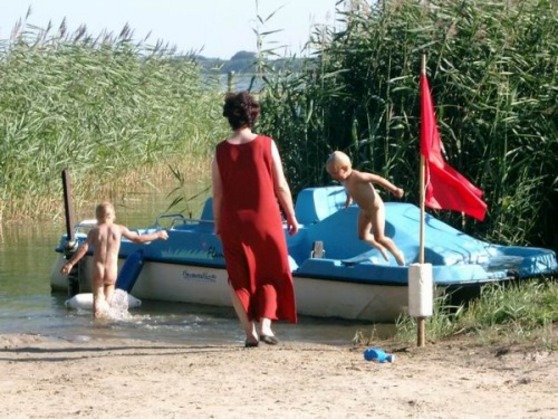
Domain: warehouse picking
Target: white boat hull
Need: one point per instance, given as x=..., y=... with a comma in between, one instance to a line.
x=206, y=285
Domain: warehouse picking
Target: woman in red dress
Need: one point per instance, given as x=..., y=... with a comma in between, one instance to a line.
x=248, y=187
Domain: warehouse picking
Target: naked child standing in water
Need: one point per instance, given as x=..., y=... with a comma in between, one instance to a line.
x=372, y=216
x=105, y=239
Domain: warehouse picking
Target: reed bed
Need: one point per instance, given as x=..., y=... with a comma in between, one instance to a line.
x=493, y=71
x=111, y=111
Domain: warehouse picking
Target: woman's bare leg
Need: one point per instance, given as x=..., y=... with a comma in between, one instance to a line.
x=248, y=326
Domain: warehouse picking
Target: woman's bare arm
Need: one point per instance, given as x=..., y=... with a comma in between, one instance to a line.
x=282, y=190
x=217, y=194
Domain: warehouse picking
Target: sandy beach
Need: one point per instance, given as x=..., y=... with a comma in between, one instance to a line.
x=46, y=378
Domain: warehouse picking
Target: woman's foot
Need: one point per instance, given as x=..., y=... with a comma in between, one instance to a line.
x=269, y=339
x=266, y=334
x=251, y=343
x=252, y=339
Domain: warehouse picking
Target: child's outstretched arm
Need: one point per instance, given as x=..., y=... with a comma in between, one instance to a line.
x=143, y=238
x=386, y=184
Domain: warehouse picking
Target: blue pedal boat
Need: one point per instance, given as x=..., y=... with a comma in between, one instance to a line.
x=335, y=274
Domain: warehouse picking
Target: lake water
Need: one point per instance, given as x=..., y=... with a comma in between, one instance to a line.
x=28, y=306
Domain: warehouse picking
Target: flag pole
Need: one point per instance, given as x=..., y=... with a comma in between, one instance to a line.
x=421, y=328
x=441, y=187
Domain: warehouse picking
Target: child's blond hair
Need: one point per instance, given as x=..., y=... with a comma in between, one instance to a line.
x=338, y=160
x=102, y=210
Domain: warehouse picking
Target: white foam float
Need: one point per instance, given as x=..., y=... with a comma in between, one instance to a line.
x=84, y=301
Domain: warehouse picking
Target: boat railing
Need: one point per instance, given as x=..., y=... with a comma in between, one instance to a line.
x=84, y=226
x=178, y=219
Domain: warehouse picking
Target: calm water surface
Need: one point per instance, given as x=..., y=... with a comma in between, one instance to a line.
x=28, y=306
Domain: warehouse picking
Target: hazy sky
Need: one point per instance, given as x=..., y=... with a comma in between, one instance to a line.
x=218, y=28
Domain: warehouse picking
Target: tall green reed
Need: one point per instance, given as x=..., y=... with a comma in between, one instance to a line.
x=492, y=68
x=102, y=107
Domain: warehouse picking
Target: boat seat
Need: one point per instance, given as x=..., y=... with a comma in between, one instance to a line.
x=207, y=211
x=312, y=204
x=202, y=225
x=315, y=204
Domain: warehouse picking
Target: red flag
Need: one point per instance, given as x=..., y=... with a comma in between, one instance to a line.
x=446, y=188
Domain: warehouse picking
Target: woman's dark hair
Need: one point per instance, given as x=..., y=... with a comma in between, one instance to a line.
x=241, y=109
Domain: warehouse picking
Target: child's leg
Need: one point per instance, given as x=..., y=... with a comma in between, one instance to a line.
x=364, y=226
x=109, y=292
x=100, y=304
x=378, y=227
x=99, y=301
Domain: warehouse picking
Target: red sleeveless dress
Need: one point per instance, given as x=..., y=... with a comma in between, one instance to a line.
x=252, y=233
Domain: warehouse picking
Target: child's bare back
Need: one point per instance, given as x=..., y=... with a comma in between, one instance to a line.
x=105, y=239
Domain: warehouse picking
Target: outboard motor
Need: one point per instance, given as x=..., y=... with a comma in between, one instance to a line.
x=73, y=275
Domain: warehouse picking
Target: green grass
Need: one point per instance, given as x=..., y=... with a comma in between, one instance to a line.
x=506, y=313
x=515, y=312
